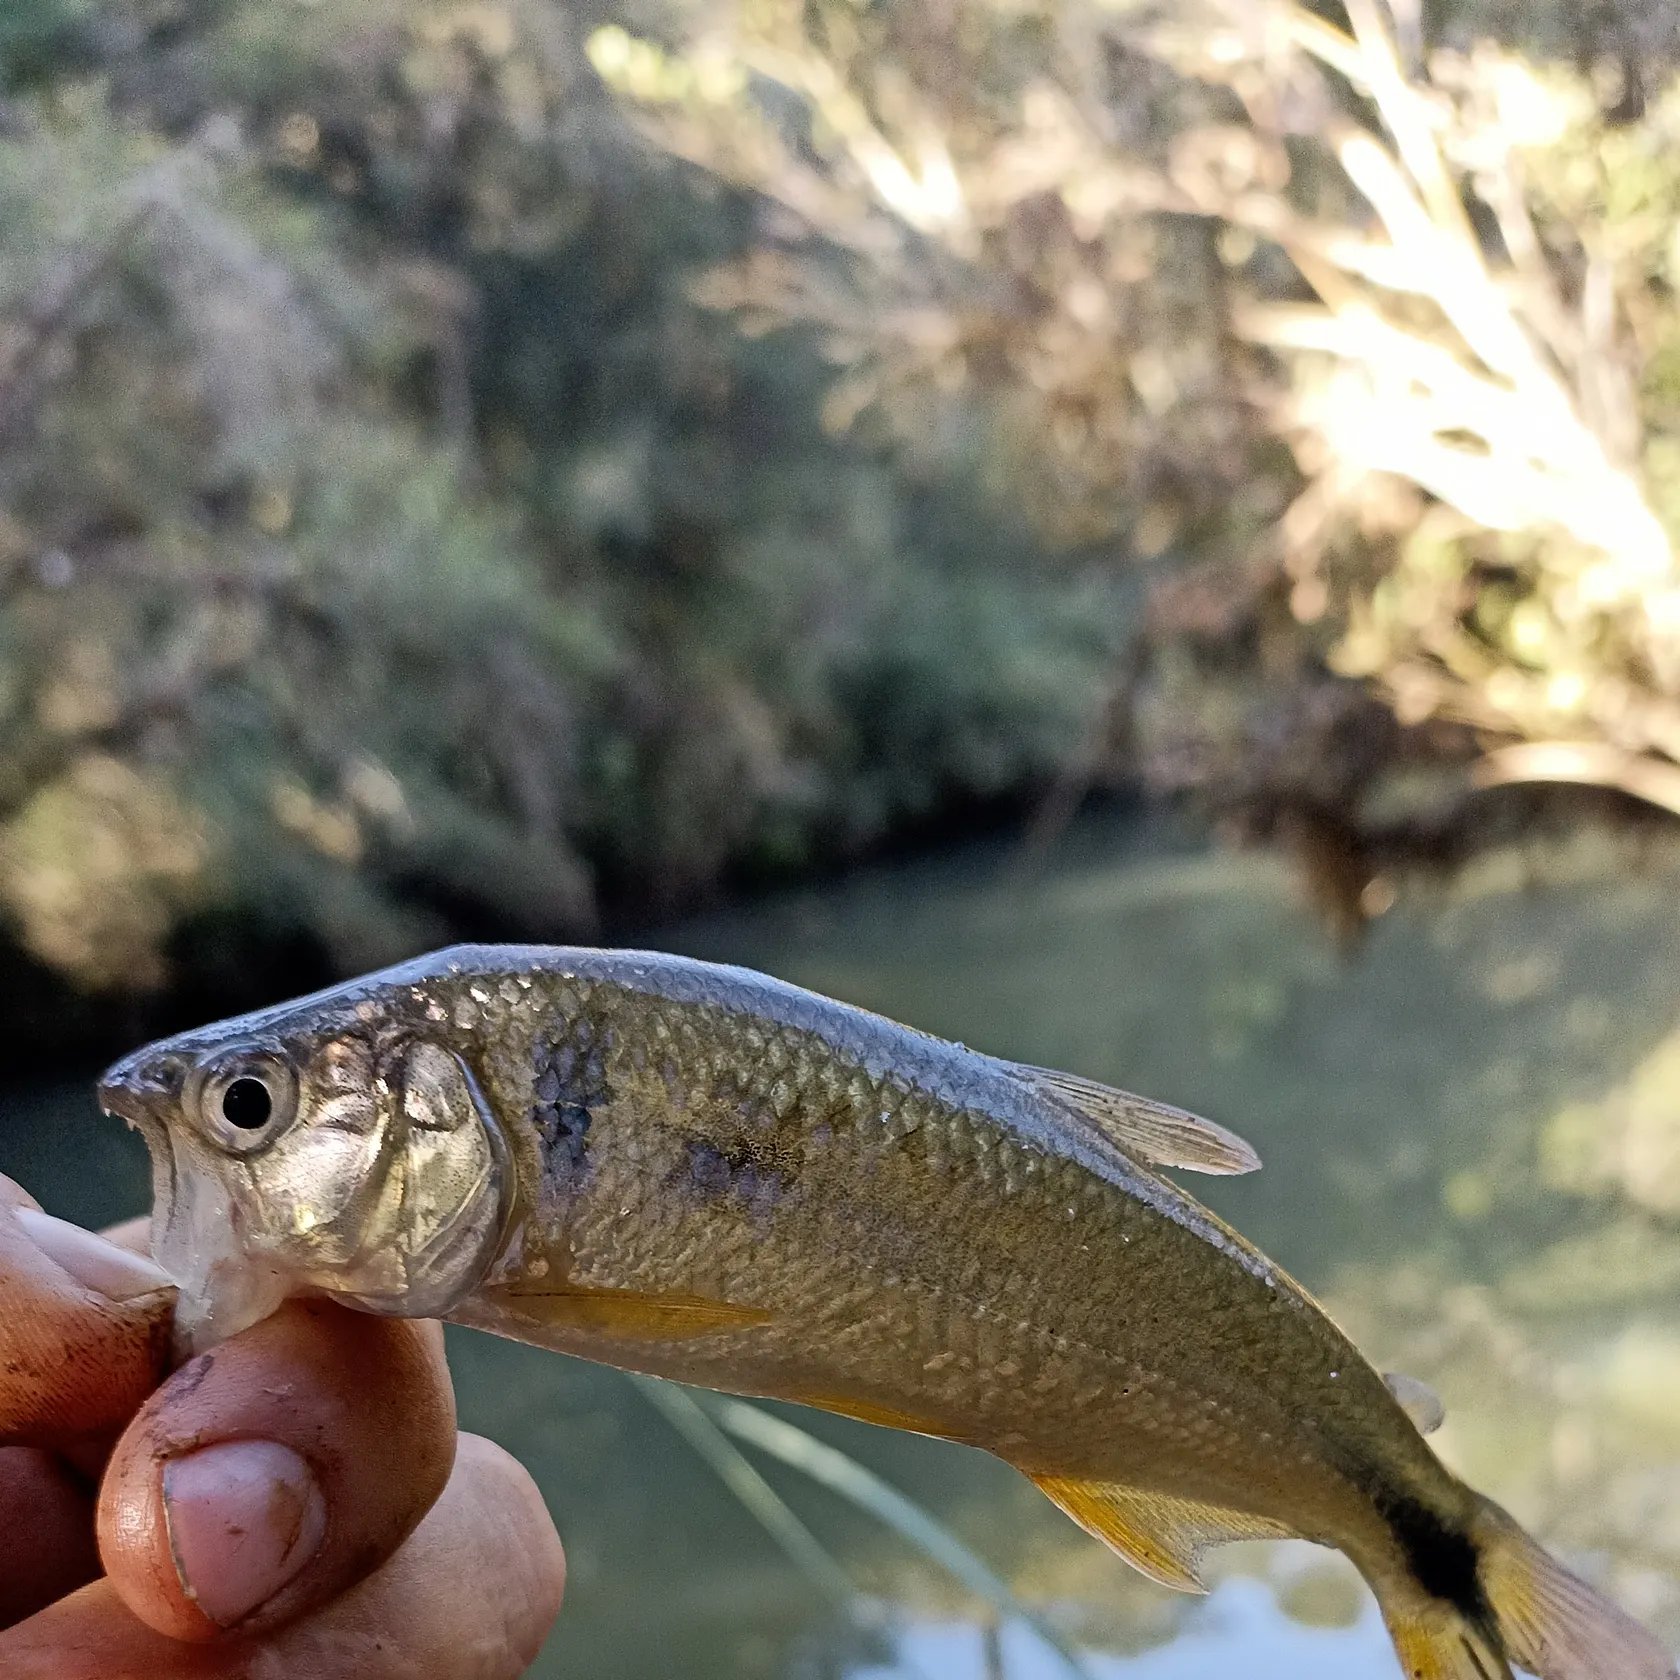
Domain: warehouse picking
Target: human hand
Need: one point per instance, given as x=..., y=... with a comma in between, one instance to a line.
x=295, y=1502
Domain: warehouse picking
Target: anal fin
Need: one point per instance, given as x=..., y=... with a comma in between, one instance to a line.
x=1158, y=1534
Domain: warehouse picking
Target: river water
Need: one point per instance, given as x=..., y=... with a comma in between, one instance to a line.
x=1471, y=1129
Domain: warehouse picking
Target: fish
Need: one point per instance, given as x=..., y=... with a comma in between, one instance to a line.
x=703, y=1173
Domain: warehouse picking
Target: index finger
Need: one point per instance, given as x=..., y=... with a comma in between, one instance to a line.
x=84, y=1328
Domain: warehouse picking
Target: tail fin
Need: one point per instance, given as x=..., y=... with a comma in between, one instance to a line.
x=1509, y=1604
x=1434, y=1641
x=1551, y=1623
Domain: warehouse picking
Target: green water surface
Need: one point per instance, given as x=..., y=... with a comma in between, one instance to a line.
x=1464, y=1127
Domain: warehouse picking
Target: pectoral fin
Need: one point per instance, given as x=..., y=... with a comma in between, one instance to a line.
x=1159, y=1535
x=1148, y=1131
x=628, y=1314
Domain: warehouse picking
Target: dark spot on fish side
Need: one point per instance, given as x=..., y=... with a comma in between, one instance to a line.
x=1442, y=1559
x=708, y=1167
x=570, y=1083
x=571, y=1126
x=744, y=1169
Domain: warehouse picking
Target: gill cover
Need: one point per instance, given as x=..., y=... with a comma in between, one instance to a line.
x=388, y=1185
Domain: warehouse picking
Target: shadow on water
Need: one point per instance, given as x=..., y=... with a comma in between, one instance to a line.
x=1464, y=1130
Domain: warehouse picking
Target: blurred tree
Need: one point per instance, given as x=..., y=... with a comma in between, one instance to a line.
x=461, y=463
x=29, y=30
x=1070, y=226
x=390, y=545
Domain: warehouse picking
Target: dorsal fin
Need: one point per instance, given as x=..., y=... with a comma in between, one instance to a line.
x=1161, y=1536
x=1148, y=1131
x=1417, y=1400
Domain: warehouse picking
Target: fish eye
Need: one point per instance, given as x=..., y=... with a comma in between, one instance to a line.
x=246, y=1103
x=244, y=1099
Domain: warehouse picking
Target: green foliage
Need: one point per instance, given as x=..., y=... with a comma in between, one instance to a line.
x=427, y=506
x=1052, y=255
x=29, y=29
x=393, y=549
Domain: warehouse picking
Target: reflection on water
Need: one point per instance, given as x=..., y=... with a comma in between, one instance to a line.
x=1472, y=1143
x=1237, y=1630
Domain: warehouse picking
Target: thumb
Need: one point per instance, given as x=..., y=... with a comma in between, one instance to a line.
x=267, y=1477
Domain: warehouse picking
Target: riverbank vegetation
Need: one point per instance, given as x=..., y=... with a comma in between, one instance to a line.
x=480, y=467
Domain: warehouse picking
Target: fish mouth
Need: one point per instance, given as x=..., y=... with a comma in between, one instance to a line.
x=119, y=1103
x=136, y=1090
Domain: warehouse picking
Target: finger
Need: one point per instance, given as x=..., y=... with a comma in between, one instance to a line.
x=271, y=1474
x=470, y=1596
x=74, y=1365
x=13, y=1195
x=84, y=1328
x=133, y=1234
x=46, y=1532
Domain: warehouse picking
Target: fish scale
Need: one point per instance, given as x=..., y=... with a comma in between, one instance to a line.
x=995, y=1332
x=702, y=1173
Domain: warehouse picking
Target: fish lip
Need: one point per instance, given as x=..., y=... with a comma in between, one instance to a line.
x=120, y=1104
x=136, y=1088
